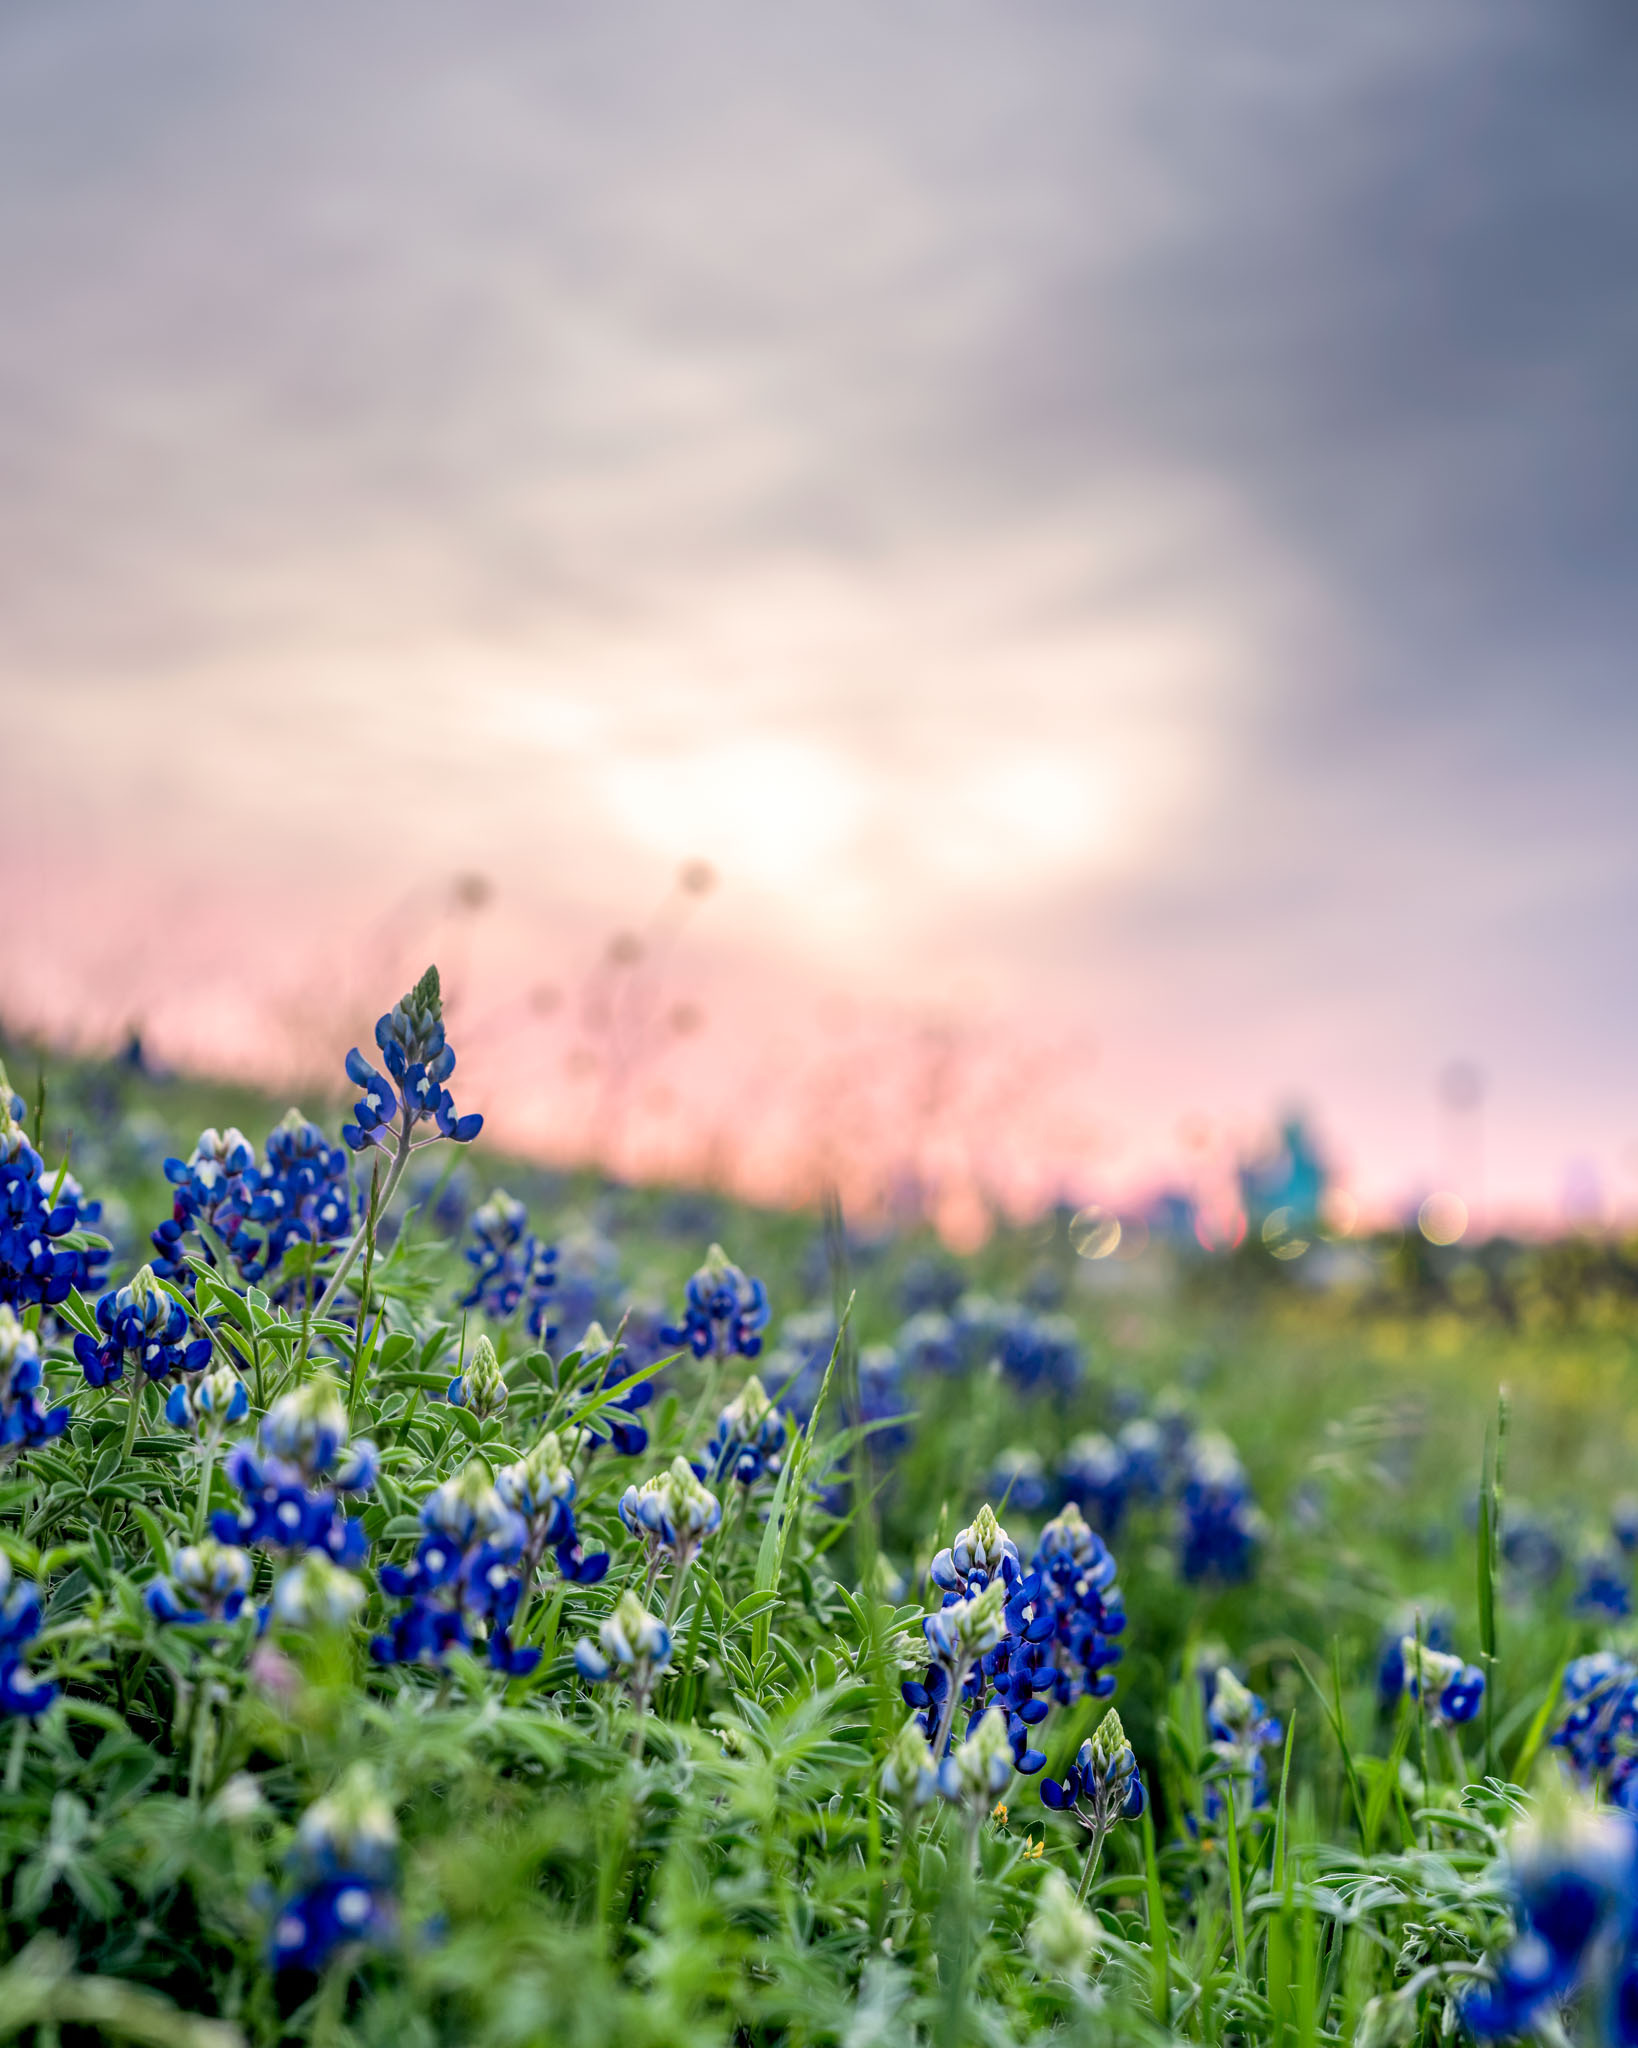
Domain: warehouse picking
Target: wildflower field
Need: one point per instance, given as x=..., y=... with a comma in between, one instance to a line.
x=449, y=1602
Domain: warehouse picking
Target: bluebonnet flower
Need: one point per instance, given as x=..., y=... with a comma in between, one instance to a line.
x=140, y=1321
x=1094, y=1477
x=540, y=1488
x=929, y=1284
x=1240, y=1728
x=463, y=1582
x=303, y=1193
x=24, y=1419
x=1599, y=1730
x=927, y=1342
x=481, y=1385
x=419, y=1060
x=673, y=1514
x=1018, y=1480
x=966, y=1629
x=290, y=1478
x=883, y=1404
x=632, y=1645
x=342, y=1870
x=1437, y=1629
x=588, y=1264
x=1040, y=1352
x=1103, y=1785
x=512, y=1268
x=1530, y=1548
x=1146, y=1458
x=977, y=1323
x=909, y=1772
x=1624, y=1523
x=1219, y=1524
x=1067, y=1610
x=1574, y=1882
x=22, y=1693
x=748, y=1442
x=315, y=1594
x=1452, y=1689
x=978, y=1770
x=617, y=1421
x=208, y=1403
x=794, y=1370
x=981, y=1552
x=214, y=1187
x=36, y=1213
x=724, y=1311
x=1603, y=1587
x=209, y=1582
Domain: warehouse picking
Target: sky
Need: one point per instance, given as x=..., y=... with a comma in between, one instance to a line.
x=1111, y=534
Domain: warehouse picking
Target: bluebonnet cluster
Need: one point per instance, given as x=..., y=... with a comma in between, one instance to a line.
x=1530, y=1548
x=1018, y=1480
x=36, y=1213
x=313, y=1594
x=1437, y=1631
x=462, y=1584
x=748, y=1442
x=208, y=1403
x=341, y=1872
x=978, y=1770
x=481, y=1384
x=1239, y=1727
x=724, y=1311
x=512, y=1268
x=795, y=1371
x=1451, y=1689
x=22, y=1693
x=1603, y=1589
x=140, y=1321
x=420, y=1060
x=1103, y=1785
x=1040, y=1353
x=1573, y=1877
x=1599, y=1729
x=291, y=1478
x=632, y=1645
x=1036, y=1352
x=1624, y=1524
x=1094, y=1476
x=1220, y=1527
x=24, y=1417
x=909, y=1772
x=672, y=1514
x=1050, y=1639
x=540, y=1488
x=209, y=1582
x=616, y=1421
x=300, y=1193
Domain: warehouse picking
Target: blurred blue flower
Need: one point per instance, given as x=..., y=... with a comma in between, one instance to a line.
x=1438, y=1633
x=1018, y=1480
x=724, y=1311
x=24, y=1419
x=632, y=1645
x=512, y=1268
x=749, y=1440
x=1574, y=1884
x=1040, y=1353
x=1603, y=1589
x=209, y=1582
x=290, y=1478
x=22, y=1694
x=341, y=1872
x=462, y=1583
x=1219, y=1524
x=1094, y=1477
x=1598, y=1731
x=1451, y=1689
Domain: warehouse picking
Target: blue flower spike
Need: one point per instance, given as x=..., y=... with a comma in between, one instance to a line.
x=1101, y=1788
x=975, y=1773
x=540, y=1488
x=724, y=1311
x=481, y=1387
x=462, y=1586
x=341, y=1870
x=748, y=1443
x=24, y=1418
x=632, y=1647
x=23, y=1695
x=1451, y=1689
x=673, y=1513
x=909, y=1774
x=144, y=1324
x=209, y=1583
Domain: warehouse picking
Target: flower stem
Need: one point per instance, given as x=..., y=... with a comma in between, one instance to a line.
x=133, y=1411
x=365, y=1233
x=1094, y=1856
